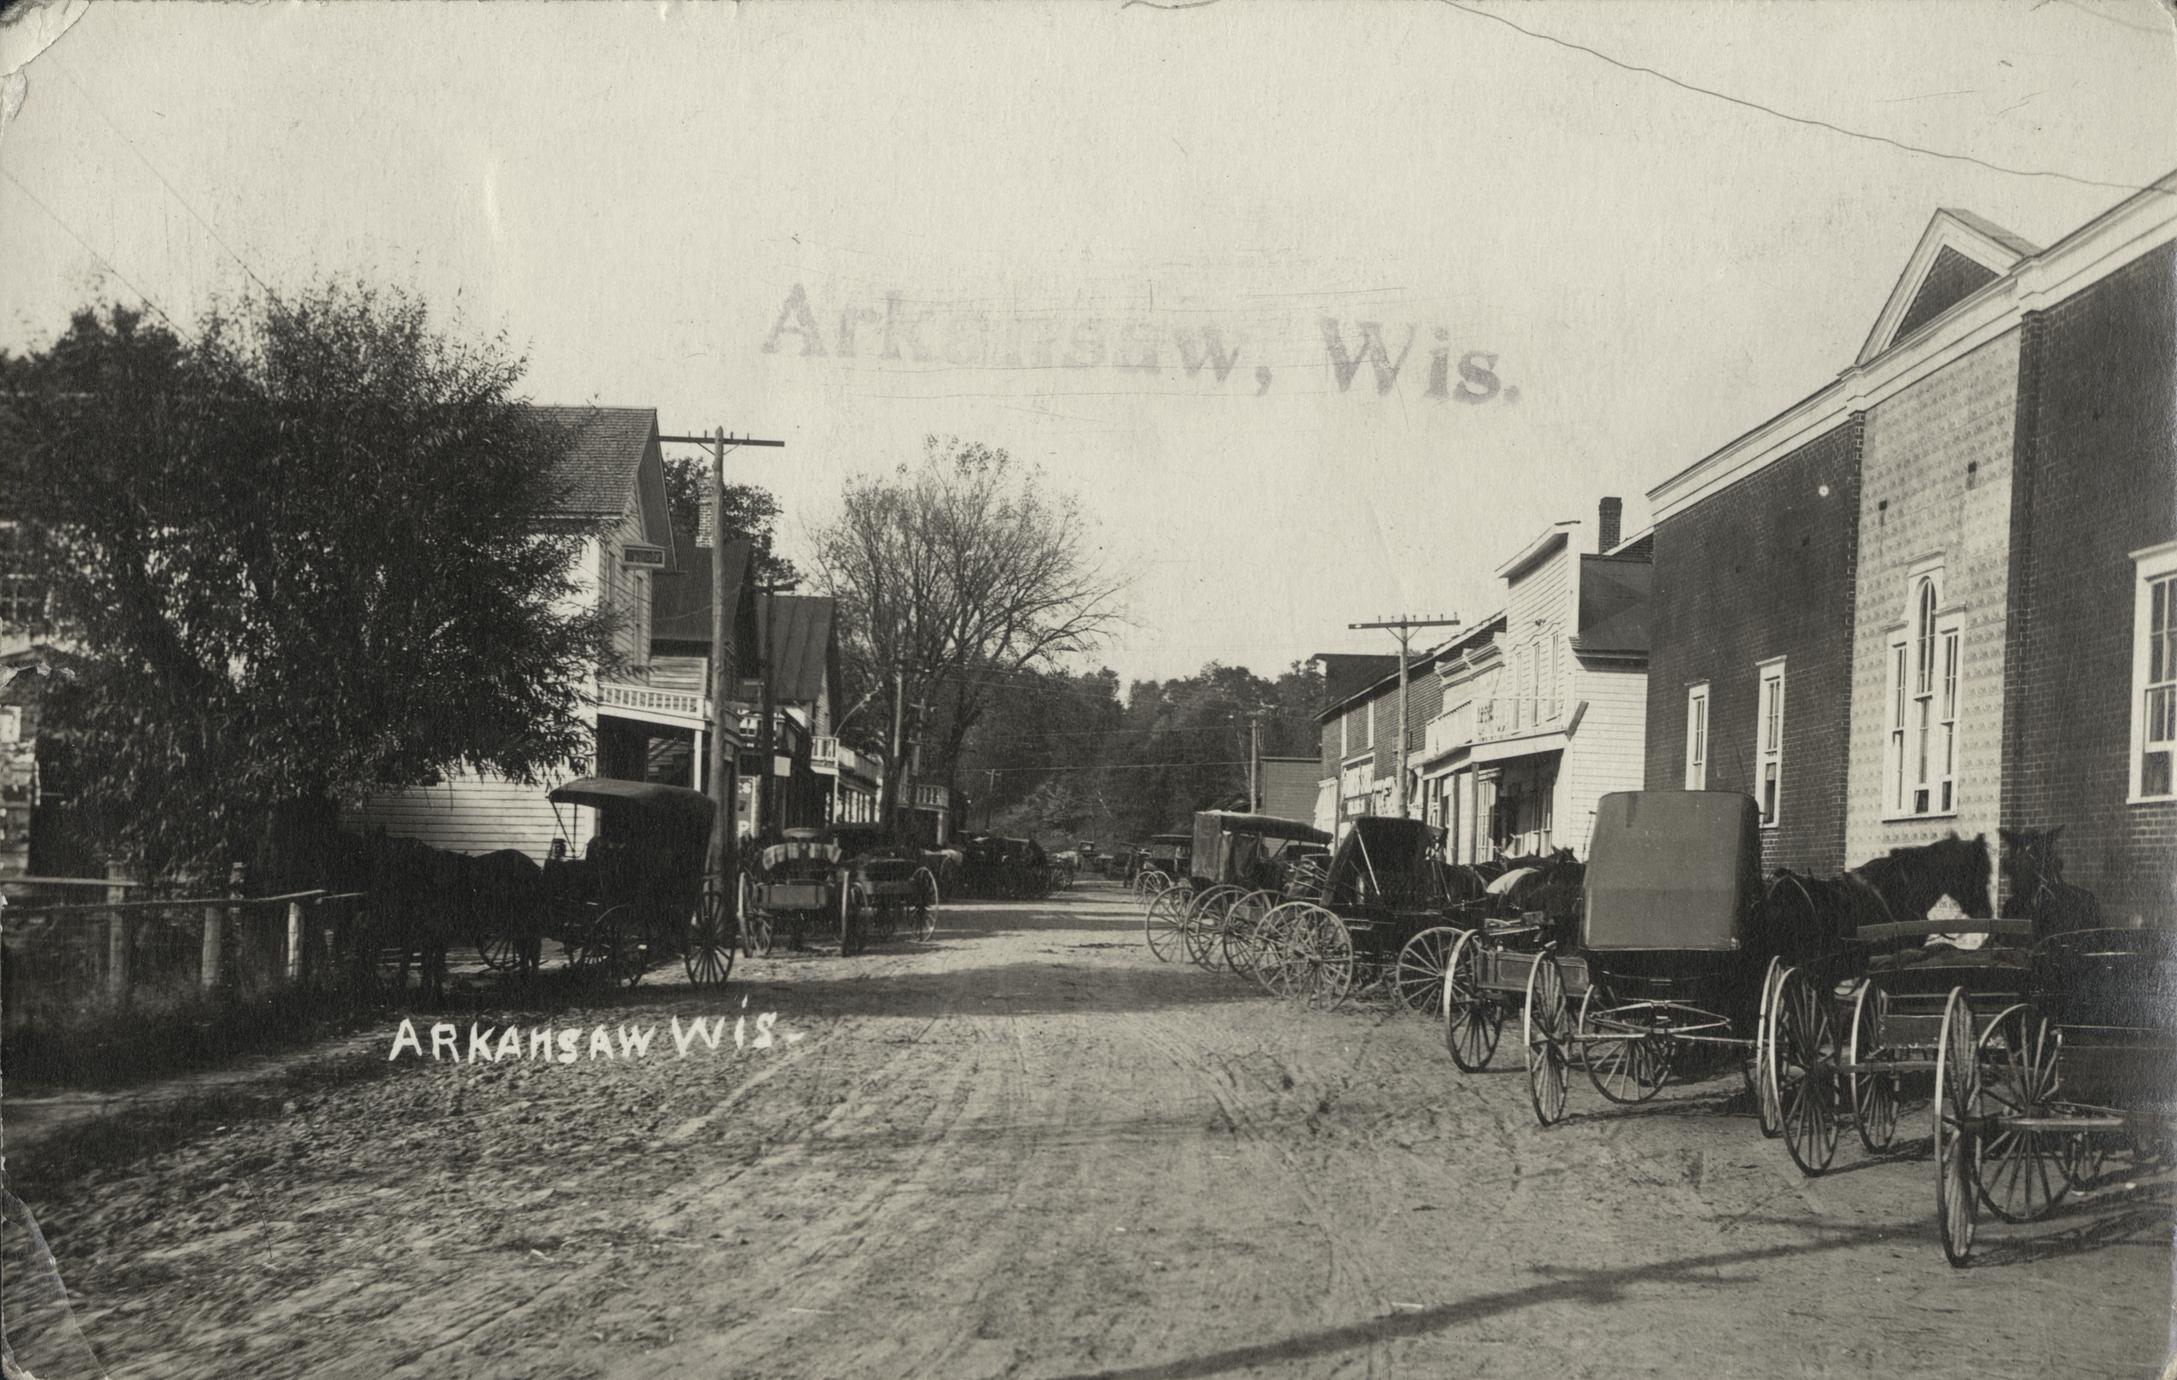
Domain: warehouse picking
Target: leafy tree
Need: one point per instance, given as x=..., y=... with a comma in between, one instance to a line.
x=953, y=575
x=751, y=513
x=310, y=555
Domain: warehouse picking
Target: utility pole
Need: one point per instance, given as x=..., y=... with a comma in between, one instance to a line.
x=896, y=770
x=722, y=861
x=1254, y=755
x=1403, y=627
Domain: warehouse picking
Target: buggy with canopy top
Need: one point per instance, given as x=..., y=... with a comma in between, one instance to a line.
x=1672, y=951
x=1377, y=923
x=888, y=883
x=798, y=885
x=1164, y=865
x=639, y=893
x=1236, y=865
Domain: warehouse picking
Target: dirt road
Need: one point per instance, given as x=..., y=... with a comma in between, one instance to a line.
x=1026, y=1148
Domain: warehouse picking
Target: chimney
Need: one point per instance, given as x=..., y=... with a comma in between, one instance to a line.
x=1607, y=521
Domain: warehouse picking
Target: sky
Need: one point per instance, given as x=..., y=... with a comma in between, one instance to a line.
x=1323, y=310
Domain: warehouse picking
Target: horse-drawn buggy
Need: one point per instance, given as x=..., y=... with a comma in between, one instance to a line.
x=1377, y=924
x=1163, y=865
x=797, y=887
x=637, y=895
x=1671, y=958
x=889, y=883
x=1239, y=867
x=2029, y=1101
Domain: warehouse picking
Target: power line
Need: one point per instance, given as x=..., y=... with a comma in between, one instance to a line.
x=1789, y=117
x=54, y=216
x=1114, y=766
x=183, y=201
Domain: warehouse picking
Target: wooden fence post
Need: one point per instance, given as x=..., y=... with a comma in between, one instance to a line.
x=294, y=943
x=120, y=949
x=208, y=950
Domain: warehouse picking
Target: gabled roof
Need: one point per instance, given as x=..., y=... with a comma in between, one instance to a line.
x=680, y=608
x=606, y=447
x=1959, y=253
x=803, y=652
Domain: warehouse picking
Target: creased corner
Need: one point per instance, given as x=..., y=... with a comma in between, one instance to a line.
x=39, y=1336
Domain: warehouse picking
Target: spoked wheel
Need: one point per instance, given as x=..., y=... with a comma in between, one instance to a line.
x=1242, y=938
x=1164, y=925
x=2020, y=1170
x=1274, y=961
x=707, y=948
x=1874, y=1095
x=887, y=918
x=1329, y=957
x=2082, y=1158
x=1472, y=1018
x=502, y=951
x=1203, y=929
x=1546, y=1026
x=1957, y=1137
x=1803, y=1067
x=1626, y=1060
x=1767, y=1113
x=1418, y=981
x=618, y=948
x=922, y=911
x=759, y=927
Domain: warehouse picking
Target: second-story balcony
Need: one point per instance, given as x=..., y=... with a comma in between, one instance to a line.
x=1510, y=718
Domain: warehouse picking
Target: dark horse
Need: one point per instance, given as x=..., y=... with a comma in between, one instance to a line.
x=1809, y=918
x=2033, y=879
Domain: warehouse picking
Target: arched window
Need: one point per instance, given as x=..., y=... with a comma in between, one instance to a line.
x=1922, y=749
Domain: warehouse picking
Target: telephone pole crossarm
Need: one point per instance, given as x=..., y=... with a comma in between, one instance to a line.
x=1403, y=627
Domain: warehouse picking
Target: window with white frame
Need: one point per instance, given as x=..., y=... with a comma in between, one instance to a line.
x=1343, y=748
x=1368, y=725
x=1926, y=659
x=1697, y=737
x=1769, y=741
x=2154, y=674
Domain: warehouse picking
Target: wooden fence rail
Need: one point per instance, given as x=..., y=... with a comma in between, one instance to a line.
x=52, y=957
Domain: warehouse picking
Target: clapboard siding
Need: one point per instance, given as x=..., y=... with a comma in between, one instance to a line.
x=1607, y=752
x=469, y=813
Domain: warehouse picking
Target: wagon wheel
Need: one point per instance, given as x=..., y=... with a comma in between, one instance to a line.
x=759, y=932
x=1195, y=934
x=1472, y=1018
x=1163, y=925
x=1418, y=980
x=2020, y=1170
x=2082, y=1158
x=887, y=919
x=1874, y=1095
x=1759, y=1073
x=1329, y=959
x=707, y=948
x=1243, y=931
x=500, y=951
x=1957, y=1104
x=1803, y=1064
x=615, y=947
x=1627, y=1063
x=1269, y=952
x=922, y=912
x=1546, y=1027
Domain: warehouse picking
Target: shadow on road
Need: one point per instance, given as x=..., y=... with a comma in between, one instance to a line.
x=1562, y=1284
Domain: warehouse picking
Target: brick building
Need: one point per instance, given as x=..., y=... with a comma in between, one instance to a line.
x=2091, y=702
x=1752, y=614
x=1941, y=593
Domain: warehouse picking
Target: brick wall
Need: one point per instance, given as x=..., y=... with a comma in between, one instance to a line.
x=2097, y=481
x=1764, y=569
x=1935, y=481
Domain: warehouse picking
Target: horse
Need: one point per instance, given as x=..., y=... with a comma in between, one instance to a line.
x=1807, y=918
x=2033, y=877
x=503, y=892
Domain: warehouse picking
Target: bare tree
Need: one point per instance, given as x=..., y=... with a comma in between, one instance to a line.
x=953, y=575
